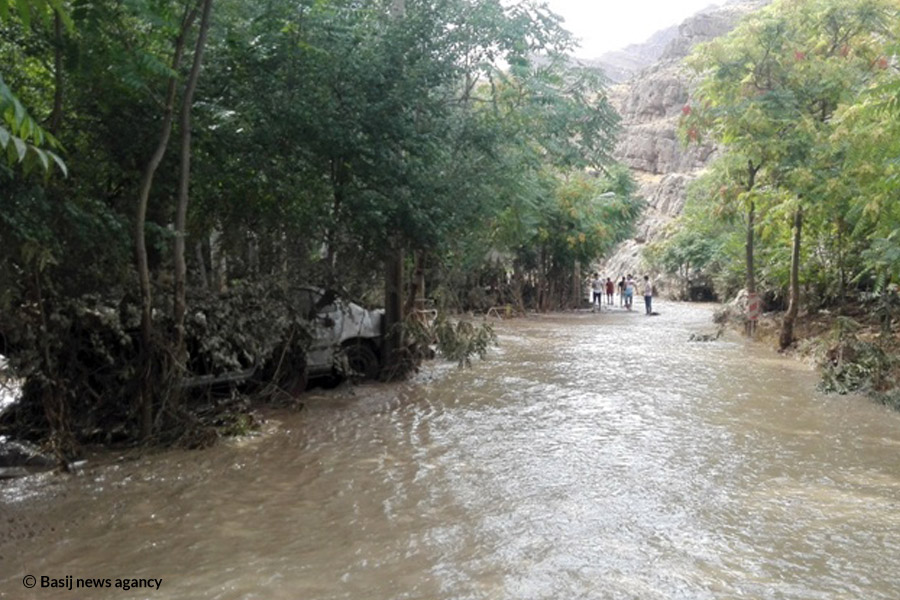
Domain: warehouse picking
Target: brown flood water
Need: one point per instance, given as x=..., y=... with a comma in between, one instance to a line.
x=591, y=456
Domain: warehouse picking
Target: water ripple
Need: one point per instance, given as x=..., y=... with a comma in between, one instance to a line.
x=596, y=456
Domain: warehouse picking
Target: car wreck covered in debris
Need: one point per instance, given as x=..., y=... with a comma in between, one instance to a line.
x=251, y=340
x=342, y=339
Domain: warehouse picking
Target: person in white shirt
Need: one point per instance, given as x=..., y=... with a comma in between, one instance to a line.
x=597, y=286
x=648, y=294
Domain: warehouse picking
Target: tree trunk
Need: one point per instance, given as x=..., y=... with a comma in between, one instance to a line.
x=518, y=283
x=339, y=178
x=577, y=292
x=140, y=244
x=419, y=284
x=552, y=296
x=393, y=279
x=542, y=284
x=393, y=312
x=787, y=326
x=184, y=181
x=842, y=273
x=752, y=170
x=751, y=274
x=415, y=299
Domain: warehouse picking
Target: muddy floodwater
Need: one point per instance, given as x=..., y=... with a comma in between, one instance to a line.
x=591, y=456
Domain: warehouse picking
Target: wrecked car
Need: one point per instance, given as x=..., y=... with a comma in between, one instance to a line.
x=346, y=338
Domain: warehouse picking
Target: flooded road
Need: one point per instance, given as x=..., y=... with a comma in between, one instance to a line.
x=591, y=456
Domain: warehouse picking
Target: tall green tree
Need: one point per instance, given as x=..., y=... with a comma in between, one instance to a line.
x=770, y=90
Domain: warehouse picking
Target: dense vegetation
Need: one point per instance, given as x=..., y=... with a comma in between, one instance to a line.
x=802, y=98
x=173, y=167
x=803, y=203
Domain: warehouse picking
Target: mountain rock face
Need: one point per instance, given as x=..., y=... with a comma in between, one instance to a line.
x=651, y=104
x=621, y=65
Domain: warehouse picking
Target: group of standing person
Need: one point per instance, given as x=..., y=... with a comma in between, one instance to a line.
x=627, y=287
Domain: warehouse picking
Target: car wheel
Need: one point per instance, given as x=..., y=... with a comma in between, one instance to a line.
x=362, y=359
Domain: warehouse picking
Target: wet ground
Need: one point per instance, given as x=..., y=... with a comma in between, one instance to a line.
x=591, y=456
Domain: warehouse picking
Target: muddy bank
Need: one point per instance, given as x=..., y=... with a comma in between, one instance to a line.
x=852, y=349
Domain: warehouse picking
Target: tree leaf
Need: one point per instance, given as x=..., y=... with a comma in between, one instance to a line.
x=20, y=147
x=42, y=157
x=60, y=163
x=19, y=113
x=26, y=128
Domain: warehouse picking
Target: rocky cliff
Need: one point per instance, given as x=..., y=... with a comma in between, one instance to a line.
x=621, y=65
x=650, y=104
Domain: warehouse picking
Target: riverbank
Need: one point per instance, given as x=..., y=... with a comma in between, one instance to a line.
x=849, y=349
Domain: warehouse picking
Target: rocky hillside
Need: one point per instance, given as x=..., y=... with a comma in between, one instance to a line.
x=650, y=104
x=621, y=65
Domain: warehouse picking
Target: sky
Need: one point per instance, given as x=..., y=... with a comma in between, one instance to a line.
x=604, y=25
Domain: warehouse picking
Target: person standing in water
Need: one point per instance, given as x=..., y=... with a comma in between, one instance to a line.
x=622, y=292
x=610, y=288
x=597, y=286
x=648, y=294
x=629, y=292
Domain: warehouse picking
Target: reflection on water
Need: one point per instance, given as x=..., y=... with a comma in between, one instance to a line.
x=592, y=456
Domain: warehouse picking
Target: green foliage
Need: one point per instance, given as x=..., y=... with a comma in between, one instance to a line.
x=703, y=248
x=852, y=364
x=448, y=153
x=26, y=10
x=866, y=372
x=463, y=341
x=560, y=219
x=22, y=140
x=799, y=90
x=244, y=327
x=459, y=340
x=323, y=134
x=883, y=257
